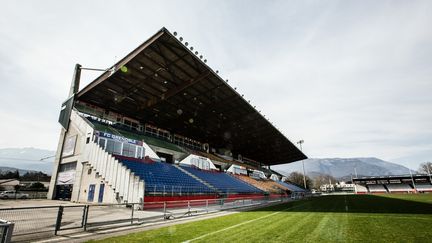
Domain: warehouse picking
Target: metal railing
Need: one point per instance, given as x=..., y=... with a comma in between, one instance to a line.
x=37, y=222
x=6, y=230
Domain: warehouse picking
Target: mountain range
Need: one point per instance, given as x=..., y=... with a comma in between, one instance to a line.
x=344, y=167
x=26, y=159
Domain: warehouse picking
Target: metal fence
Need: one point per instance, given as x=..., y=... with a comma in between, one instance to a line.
x=38, y=222
x=6, y=230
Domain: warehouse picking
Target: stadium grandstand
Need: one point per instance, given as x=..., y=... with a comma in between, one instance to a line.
x=161, y=125
x=419, y=183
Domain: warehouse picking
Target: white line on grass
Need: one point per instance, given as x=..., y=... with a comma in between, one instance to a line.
x=237, y=225
x=346, y=206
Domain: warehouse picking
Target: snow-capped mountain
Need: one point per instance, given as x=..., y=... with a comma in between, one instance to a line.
x=341, y=167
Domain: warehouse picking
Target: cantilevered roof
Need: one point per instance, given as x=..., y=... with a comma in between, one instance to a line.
x=165, y=83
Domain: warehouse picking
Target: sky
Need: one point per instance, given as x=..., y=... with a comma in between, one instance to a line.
x=350, y=78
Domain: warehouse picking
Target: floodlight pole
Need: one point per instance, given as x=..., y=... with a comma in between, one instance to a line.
x=74, y=88
x=355, y=172
x=304, y=173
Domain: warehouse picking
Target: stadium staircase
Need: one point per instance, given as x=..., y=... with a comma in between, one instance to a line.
x=196, y=178
x=126, y=185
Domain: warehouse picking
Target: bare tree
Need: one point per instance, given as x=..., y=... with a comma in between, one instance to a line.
x=425, y=168
x=297, y=178
x=323, y=179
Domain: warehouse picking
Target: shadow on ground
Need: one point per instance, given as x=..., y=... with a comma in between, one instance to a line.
x=360, y=204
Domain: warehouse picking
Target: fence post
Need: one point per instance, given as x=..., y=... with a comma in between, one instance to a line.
x=6, y=232
x=59, y=219
x=164, y=210
x=133, y=208
x=83, y=215
x=86, y=217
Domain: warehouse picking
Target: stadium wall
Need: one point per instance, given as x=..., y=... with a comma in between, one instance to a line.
x=81, y=163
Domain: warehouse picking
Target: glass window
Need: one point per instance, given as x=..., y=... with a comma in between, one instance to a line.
x=102, y=142
x=128, y=150
x=67, y=167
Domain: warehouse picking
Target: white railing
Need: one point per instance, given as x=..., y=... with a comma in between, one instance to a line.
x=121, y=179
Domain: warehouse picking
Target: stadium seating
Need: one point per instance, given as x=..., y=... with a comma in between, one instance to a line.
x=399, y=187
x=223, y=182
x=378, y=188
x=165, y=178
x=424, y=187
x=361, y=189
x=291, y=187
x=265, y=185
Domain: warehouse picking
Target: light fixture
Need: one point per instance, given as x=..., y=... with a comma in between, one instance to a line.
x=217, y=71
x=186, y=43
x=196, y=53
x=191, y=48
x=141, y=67
x=181, y=38
x=175, y=33
x=201, y=56
x=226, y=80
x=205, y=60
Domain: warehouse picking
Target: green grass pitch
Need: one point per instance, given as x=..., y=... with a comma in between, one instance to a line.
x=350, y=218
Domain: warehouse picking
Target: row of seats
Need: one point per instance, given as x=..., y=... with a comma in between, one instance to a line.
x=291, y=187
x=424, y=187
x=399, y=187
x=223, y=182
x=165, y=178
x=265, y=185
x=376, y=188
x=402, y=187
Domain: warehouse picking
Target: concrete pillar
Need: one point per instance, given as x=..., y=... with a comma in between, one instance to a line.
x=141, y=189
x=126, y=184
x=131, y=187
x=121, y=182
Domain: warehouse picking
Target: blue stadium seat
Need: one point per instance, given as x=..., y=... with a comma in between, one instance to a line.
x=165, y=178
x=223, y=182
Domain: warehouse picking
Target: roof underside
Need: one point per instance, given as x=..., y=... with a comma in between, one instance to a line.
x=167, y=85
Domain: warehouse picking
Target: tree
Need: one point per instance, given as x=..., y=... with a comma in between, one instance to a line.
x=35, y=176
x=323, y=179
x=423, y=168
x=37, y=186
x=297, y=178
x=16, y=175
